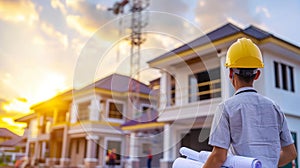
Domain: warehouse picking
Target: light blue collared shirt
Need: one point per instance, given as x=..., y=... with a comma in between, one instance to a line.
x=251, y=125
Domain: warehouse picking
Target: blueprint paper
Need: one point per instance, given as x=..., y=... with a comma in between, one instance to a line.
x=186, y=163
x=232, y=161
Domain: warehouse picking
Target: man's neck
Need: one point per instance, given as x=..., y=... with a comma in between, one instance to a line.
x=240, y=84
x=237, y=87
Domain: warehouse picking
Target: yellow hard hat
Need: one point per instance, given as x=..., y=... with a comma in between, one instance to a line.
x=244, y=54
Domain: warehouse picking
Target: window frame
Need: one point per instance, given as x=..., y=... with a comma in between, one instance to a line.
x=284, y=76
x=211, y=95
x=116, y=139
x=108, y=110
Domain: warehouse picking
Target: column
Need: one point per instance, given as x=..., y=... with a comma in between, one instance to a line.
x=102, y=154
x=36, y=154
x=91, y=160
x=43, y=149
x=65, y=160
x=133, y=161
x=167, y=160
x=73, y=118
x=27, y=144
x=95, y=109
x=225, y=82
x=55, y=114
x=165, y=90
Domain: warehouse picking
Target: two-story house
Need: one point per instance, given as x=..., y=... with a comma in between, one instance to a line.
x=46, y=132
x=201, y=83
x=97, y=113
x=79, y=127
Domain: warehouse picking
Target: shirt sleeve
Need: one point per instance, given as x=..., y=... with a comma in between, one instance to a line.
x=285, y=134
x=220, y=133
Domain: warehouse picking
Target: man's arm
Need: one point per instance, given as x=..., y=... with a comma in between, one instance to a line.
x=287, y=154
x=217, y=158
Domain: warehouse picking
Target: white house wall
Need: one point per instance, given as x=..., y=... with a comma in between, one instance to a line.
x=287, y=100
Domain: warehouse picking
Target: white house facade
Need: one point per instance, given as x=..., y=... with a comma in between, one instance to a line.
x=201, y=83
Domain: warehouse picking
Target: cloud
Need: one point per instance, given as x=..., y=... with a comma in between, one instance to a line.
x=213, y=13
x=9, y=110
x=57, y=4
x=174, y=6
x=13, y=126
x=18, y=11
x=86, y=17
x=50, y=31
x=264, y=11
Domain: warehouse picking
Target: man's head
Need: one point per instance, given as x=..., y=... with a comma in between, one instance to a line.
x=244, y=58
x=245, y=75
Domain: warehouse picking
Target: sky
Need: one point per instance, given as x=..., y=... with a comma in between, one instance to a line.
x=48, y=47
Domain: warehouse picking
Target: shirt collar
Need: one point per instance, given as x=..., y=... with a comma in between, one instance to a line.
x=242, y=89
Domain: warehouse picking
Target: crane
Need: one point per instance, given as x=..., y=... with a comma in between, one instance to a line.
x=136, y=40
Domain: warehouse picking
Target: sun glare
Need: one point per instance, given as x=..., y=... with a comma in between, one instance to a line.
x=17, y=105
x=50, y=86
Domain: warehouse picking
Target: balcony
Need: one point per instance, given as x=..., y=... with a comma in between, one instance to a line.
x=199, y=98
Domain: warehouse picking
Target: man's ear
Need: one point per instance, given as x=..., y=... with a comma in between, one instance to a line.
x=230, y=73
x=257, y=75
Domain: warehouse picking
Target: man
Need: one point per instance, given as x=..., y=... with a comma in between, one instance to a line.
x=249, y=124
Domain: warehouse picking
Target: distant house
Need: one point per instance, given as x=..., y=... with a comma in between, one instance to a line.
x=78, y=127
x=10, y=146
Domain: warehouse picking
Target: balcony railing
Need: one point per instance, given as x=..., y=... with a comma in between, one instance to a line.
x=214, y=91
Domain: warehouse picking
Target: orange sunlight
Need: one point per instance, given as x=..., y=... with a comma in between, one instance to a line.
x=52, y=85
x=15, y=127
x=17, y=105
x=49, y=87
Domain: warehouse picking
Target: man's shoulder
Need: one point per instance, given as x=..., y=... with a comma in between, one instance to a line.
x=238, y=99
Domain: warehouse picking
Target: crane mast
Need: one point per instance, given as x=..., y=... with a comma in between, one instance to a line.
x=137, y=38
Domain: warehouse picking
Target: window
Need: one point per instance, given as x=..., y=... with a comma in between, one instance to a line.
x=115, y=110
x=83, y=111
x=284, y=76
x=173, y=90
x=146, y=147
x=146, y=108
x=115, y=148
x=205, y=85
x=77, y=146
x=277, y=80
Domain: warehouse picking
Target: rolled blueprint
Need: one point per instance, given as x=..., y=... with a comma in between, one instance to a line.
x=232, y=161
x=186, y=163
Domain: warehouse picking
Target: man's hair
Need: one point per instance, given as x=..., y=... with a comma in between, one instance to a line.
x=247, y=74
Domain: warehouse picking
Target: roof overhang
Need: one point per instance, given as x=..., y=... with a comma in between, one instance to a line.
x=271, y=42
x=281, y=47
x=197, y=51
x=26, y=118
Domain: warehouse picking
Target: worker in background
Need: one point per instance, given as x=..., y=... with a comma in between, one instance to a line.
x=249, y=124
x=149, y=158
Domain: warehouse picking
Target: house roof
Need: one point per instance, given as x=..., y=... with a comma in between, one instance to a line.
x=53, y=99
x=119, y=83
x=26, y=117
x=14, y=139
x=224, y=31
x=12, y=142
x=4, y=132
